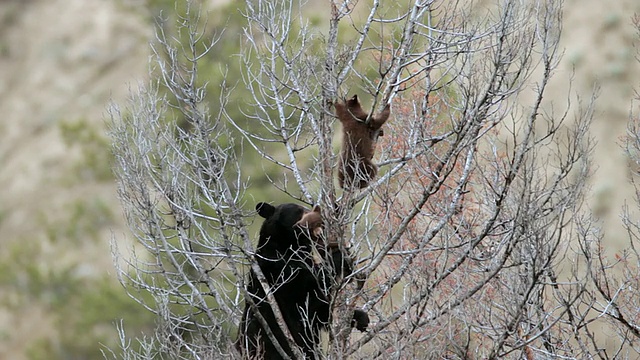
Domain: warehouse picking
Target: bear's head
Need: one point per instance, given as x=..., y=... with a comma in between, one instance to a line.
x=355, y=109
x=281, y=225
x=311, y=223
x=286, y=215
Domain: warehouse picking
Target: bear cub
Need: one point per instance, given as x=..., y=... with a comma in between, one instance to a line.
x=338, y=260
x=358, y=143
x=312, y=223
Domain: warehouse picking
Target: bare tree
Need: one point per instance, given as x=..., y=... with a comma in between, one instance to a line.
x=610, y=299
x=462, y=237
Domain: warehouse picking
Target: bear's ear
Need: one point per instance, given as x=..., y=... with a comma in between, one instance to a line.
x=316, y=209
x=265, y=210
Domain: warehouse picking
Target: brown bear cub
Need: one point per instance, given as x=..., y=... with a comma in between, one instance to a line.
x=312, y=223
x=358, y=143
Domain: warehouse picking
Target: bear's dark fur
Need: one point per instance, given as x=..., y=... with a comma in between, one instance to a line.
x=284, y=256
x=358, y=143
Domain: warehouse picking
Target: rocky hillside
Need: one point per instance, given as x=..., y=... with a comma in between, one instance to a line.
x=602, y=47
x=61, y=62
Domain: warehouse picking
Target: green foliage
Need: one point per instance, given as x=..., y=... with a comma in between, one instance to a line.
x=82, y=221
x=3, y=213
x=85, y=318
x=95, y=162
x=21, y=276
x=82, y=309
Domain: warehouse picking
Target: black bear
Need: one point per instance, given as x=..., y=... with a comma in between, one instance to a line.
x=284, y=256
x=358, y=143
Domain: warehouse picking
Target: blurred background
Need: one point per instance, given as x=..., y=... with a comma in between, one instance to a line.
x=63, y=61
